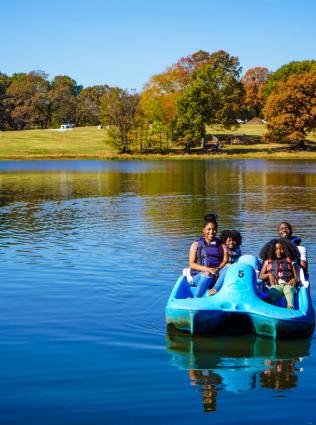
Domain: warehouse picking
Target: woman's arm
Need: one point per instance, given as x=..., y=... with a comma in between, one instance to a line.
x=192, y=259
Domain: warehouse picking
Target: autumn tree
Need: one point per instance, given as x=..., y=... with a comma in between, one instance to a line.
x=159, y=97
x=213, y=95
x=254, y=82
x=285, y=71
x=188, y=64
x=4, y=84
x=118, y=113
x=157, y=101
x=89, y=104
x=27, y=101
x=290, y=109
x=63, y=95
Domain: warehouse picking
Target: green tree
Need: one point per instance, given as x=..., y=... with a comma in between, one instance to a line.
x=118, y=113
x=4, y=84
x=213, y=95
x=285, y=71
x=290, y=109
x=193, y=110
x=64, y=93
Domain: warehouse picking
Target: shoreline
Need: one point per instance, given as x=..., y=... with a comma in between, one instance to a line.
x=173, y=157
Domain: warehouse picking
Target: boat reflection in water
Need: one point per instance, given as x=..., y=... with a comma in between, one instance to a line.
x=236, y=364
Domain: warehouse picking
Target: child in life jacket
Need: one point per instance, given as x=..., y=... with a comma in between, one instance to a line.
x=232, y=240
x=279, y=270
x=207, y=256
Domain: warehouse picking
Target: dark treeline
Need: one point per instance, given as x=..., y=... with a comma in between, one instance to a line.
x=29, y=100
x=175, y=106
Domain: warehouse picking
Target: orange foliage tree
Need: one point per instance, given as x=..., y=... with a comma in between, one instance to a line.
x=254, y=82
x=159, y=96
x=27, y=102
x=290, y=109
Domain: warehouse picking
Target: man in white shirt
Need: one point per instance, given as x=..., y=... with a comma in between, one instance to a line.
x=285, y=231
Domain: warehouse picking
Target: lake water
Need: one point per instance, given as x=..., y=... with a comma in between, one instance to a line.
x=90, y=251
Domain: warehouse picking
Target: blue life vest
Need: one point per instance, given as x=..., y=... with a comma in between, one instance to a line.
x=281, y=269
x=296, y=240
x=209, y=255
x=233, y=255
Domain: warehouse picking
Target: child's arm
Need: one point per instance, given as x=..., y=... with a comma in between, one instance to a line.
x=225, y=258
x=296, y=278
x=264, y=275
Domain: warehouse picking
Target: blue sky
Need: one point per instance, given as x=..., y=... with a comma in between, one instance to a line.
x=123, y=43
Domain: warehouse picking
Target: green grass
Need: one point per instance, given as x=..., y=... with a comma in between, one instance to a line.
x=77, y=142
x=90, y=143
x=256, y=130
x=246, y=129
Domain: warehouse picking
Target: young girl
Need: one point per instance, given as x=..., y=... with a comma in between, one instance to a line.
x=279, y=270
x=232, y=240
x=207, y=256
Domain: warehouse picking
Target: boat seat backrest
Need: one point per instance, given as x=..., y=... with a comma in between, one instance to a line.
x=249, y=259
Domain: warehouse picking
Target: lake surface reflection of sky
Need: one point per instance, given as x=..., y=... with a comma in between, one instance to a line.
x=89, y=253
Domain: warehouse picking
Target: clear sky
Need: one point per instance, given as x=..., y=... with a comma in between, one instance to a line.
x=123, y=43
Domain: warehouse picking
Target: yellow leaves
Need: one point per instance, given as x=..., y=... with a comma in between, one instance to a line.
x=290, y=108
x=254, y=82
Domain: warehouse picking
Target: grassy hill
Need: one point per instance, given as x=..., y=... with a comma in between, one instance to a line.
x=90, y=143
x=71, y=143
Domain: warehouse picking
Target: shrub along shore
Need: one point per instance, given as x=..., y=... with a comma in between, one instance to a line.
x=91, y=143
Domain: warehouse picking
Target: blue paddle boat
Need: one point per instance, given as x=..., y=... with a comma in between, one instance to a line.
x=240, y=307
